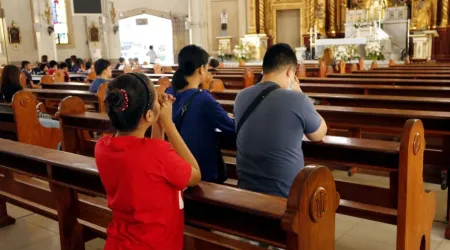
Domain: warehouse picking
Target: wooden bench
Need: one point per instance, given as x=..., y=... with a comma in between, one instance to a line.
x=304, y=221
x=404, y=72
x=360, y=153
x=378, y=81
x=358, y=89
x=19, y=122
x=67, y=86
x=384, y=75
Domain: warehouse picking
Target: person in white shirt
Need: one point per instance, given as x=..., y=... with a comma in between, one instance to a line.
x=152, y=54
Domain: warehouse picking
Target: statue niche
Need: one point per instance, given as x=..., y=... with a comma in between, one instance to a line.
x=422, y=11
x=320, y=17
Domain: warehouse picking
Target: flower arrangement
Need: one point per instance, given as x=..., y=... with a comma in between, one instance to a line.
x=362, y=24
x=374, y=51
x=346, y=53
x=241, y=52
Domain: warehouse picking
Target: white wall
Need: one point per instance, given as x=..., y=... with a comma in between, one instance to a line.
x=20, y=12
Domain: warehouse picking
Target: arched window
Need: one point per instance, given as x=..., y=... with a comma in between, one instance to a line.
x=61, y=22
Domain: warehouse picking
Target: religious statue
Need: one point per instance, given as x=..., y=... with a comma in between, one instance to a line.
x=224, y=22
x=14, y=34
x=320, y=18
x=421, y=14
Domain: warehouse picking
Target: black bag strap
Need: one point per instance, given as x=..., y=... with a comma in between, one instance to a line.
x=255, y=104
x=185, y=108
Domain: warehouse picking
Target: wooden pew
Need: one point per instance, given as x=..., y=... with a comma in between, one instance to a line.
x=361, y=89
x=21, y=121
x=67, y=86
x=377, y=81
x=376, y=101
x=304, y=221
x=403, y=72
x=383, y=75
x=335, y=152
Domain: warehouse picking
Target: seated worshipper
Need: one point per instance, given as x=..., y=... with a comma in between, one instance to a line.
x=69, y=64
x=10, y=84
x=78, y=66
x=103, y=74
x=136, y=62
x=269, y=138
x=41, y=70
x=143, y=177
x=213, y=64
x=53, y=66
x=44, y=59
x=26, y=69
x=121, y=64
x=65, y=68
x=73, y=58
x=197, y=114
x=131, y=62
x=88, y=67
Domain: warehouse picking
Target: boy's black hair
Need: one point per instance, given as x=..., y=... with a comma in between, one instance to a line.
x=126, y=102
x=53, y=63
x=278, y=57
x=63, y=65
x=190, y=59
x=213, y=63
x=101, y=65
x=121, y=60
x=25, y=63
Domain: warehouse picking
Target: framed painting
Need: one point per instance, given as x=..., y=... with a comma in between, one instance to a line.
x=94, y=34
x=14, y=34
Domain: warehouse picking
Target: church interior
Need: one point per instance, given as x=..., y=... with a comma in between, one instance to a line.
x=87, y=85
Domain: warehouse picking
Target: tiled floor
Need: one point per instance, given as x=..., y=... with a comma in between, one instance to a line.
x=34, y=232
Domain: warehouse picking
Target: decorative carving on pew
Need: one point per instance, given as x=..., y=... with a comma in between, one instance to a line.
x=417, y=143
x=24, y=102
x=318, y=204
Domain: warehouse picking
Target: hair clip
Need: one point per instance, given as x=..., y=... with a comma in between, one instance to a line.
x=125, y=102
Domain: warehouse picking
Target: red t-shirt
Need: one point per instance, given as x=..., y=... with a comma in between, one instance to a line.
x=51, y=71
x=143, y=179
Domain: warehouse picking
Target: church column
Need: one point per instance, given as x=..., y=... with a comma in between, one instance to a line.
x=197, y=17
x=312, y=13
x=111, y=31
x=444, y=13
x=251, y=7
x=332, y=15
x=44, y=29
x=261, y=9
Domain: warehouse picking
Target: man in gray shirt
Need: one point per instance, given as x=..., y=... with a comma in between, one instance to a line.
x=269, y=142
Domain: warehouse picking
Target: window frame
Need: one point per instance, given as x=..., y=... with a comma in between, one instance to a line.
x=70, y=34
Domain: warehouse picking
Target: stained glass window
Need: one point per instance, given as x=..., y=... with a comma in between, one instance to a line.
x=60, y=22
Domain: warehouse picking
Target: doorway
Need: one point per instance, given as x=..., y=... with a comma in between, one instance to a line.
x=137, y=33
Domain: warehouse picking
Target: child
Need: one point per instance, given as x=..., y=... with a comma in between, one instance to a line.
x=64, y=67
x=103, y=74
x=53, y=67
x=26, y=69
x=143, y=178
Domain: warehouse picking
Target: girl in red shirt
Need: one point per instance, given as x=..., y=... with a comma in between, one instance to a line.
x=143, y=178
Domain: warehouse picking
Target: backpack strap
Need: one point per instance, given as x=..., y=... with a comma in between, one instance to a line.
x=254, y=105
x=185, y=108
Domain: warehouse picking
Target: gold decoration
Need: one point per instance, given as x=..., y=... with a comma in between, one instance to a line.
x=112, y=13
x=422, y=11
x=14, y=34
x=312, y=13
x=320, y=17
x=268, y=17
x=251, y=17
x=94, y=34
x=262, y=28
x=444, y=13
x=48, y=13
x=332, y=15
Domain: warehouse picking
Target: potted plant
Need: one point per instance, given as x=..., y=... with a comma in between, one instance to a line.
x=241, y=53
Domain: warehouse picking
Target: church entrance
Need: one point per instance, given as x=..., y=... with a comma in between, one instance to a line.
x=139, y=32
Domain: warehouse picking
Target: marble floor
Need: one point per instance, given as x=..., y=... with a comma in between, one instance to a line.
x=34, y=232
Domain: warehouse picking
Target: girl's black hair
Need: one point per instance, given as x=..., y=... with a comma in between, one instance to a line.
x=128, y=99
x=190, y=59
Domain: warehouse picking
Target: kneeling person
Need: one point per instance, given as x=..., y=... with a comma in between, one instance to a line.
x=269, y=138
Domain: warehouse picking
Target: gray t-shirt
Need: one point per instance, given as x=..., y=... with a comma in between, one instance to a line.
x=270, y=142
